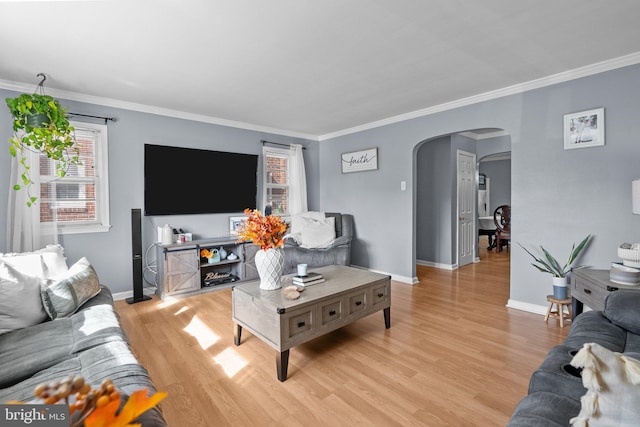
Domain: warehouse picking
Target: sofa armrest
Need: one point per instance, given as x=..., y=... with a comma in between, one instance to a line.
x=341, y=241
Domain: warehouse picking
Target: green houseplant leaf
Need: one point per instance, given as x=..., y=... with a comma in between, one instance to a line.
x=550, y=265
x=53, y=136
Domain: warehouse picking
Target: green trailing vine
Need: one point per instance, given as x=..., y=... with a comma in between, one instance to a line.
x=41, y=125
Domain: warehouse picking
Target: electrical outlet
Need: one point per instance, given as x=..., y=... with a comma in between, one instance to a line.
x=403, y=185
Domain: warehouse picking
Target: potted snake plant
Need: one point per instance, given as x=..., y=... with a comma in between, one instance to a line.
x=40, y=124
x=559, y=273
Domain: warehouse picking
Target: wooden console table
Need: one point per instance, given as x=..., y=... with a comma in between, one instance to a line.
x=591, y=287
x=348, y=294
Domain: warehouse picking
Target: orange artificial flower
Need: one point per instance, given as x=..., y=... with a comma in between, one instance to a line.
x=206, y=253
x=264, y=231
x=137, y=403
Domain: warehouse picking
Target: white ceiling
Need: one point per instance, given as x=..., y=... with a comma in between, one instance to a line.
x=310, y=68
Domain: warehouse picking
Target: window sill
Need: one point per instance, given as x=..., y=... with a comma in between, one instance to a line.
x=80, y=229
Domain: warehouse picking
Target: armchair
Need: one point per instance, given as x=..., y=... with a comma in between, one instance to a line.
x=339, y=252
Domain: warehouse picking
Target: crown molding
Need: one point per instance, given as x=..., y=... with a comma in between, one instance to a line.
x=588, y=70
x=479, y=136
x=565, y=76
x=143, y=108
x=496, y=157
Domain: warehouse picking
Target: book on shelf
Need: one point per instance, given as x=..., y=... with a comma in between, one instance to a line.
x=311, y=276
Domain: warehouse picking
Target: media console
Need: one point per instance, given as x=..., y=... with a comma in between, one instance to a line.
x=182, y=271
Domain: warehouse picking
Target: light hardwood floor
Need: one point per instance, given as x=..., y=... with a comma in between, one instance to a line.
x=455, y=356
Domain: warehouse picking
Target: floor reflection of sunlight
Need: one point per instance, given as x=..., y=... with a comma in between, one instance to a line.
x=168, y=301
x=182, y=310
x=230, y=361
x=205, y=336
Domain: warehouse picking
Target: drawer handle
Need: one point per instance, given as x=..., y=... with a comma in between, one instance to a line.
x=380, y=295
x=332, y=313
x=301, y=324
x=358, y=302
x=587, y=291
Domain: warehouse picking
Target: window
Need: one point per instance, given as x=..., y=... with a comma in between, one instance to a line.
x=78, y=202
x=276, y=180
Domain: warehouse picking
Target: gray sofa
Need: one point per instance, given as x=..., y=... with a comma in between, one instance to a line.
x=339, y=253
x=555, y=388
x=90, y=343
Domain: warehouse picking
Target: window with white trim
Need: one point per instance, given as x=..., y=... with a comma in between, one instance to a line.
x=79, y=201
x=276, y=180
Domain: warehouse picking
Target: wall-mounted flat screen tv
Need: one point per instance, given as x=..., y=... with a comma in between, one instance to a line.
x=180, y=181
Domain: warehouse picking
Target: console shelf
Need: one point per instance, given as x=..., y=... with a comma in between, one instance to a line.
x=219, y=263
x=182, y=272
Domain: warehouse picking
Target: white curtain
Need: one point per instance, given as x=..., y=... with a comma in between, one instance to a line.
x=298, y=184
x=24, y=231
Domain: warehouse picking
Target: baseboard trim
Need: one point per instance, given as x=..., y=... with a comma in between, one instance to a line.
x=525, y=306
x=397, y=278
x=394, y=277
x=437, y=265
x=129, y=294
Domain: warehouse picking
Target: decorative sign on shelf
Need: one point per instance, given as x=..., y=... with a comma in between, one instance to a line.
x=358, y=161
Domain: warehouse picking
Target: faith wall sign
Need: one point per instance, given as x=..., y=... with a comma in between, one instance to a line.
x=358, y=161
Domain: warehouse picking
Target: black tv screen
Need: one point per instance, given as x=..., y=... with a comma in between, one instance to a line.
x=180, y=181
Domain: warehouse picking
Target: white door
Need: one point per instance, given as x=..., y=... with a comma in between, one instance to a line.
x=466, y=207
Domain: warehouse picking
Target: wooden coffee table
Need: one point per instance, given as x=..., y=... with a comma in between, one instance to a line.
x=348, y=294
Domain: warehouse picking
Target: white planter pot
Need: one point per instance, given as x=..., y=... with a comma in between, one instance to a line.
x=560, y=288
x=270, y=264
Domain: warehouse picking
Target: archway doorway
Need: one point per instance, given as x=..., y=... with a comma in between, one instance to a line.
x=435, y=200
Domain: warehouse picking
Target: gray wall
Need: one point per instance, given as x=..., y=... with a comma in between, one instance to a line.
x=110, y=252
x=558, y=196
x=433, y=189
x=499, y=172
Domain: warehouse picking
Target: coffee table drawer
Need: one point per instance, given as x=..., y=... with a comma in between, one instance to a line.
x=331, y=311
x=380, y=295
x=299, y=323
x=357, y=302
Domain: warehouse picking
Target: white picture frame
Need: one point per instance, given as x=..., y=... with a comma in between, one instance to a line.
x=584, y=129
x=234, y=223
x=358, y=161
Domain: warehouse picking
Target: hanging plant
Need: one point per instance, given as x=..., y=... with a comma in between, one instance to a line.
x=41, y=125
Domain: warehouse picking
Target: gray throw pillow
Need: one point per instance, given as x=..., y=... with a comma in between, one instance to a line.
x=63, y=296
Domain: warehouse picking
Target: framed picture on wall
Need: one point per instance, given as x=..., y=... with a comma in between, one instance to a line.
x=358, y=161
x=234, y=223
x=584, y=129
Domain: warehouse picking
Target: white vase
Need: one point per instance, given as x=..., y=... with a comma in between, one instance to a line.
x=270, y=264
x=560, y=287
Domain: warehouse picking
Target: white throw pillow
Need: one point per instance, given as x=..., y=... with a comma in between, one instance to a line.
x=20, y=303
x=64, y=295
x=54, y=260
x=298, y=222
x=612, y=381
x=43, y=263
x=30, y=264
x=315, y=233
